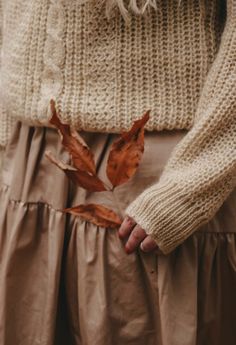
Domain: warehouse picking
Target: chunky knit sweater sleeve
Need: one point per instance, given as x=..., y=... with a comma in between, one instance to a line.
x=201, y=170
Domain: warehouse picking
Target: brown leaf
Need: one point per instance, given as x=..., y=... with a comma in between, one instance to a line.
x=82, y=157
x=89, y=182
x=96, y=214
x=126, y=153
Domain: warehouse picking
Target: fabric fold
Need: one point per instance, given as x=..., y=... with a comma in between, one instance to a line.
x=67, y=281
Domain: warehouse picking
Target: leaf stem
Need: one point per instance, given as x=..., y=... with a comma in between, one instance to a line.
x=107, y=186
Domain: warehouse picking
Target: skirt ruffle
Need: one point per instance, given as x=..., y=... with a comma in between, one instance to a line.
x=67, y=281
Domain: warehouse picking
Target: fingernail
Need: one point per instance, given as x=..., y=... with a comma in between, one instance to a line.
x=120, y=236
x=120, y=233
x=127, y=250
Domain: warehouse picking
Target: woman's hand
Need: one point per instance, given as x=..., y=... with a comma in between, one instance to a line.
x=136, y=236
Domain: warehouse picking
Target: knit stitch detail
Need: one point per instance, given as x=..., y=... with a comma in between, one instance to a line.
x=103, y=73
x=170, y=213
x=6, y=122
x=179, y=61
x=201, y=171
x=54, y=57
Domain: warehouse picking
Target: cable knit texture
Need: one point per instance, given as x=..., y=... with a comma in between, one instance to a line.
x=177, y=59
x=6, y=122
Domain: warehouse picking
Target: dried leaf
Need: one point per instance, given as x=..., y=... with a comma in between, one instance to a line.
x=123, y=160
x=96, y=214
x=82, y=157
x=126, y=153
x=89, y=182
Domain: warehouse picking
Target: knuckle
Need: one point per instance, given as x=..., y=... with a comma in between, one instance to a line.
x=148, y=245
x=124, y=229
x=130, y=220
x=143, y=247
x=136, y=234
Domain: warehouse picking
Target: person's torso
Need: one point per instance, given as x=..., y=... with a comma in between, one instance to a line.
x=103, y=73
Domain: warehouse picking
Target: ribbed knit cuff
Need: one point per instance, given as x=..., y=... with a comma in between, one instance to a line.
x=167, y=214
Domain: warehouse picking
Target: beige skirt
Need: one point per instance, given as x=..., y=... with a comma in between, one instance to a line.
x=67, y=281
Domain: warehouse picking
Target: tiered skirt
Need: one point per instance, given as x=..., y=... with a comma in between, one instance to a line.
x=66, y=281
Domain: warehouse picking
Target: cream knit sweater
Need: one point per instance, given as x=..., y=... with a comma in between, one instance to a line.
x=179, y=60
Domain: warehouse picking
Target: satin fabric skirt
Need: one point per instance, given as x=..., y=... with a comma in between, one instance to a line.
x=66, y=281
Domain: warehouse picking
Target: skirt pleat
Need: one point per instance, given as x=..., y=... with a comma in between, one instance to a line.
x=66, y=281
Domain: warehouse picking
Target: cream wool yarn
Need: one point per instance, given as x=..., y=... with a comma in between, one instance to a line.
x=103, y=73
x=133, y=6
x=177, y=60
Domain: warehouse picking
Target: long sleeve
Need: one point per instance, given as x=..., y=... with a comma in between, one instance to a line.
x=201, y=170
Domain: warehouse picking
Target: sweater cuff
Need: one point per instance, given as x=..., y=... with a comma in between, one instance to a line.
x=167, y=214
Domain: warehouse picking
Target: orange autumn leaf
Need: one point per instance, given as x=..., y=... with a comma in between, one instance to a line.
x=124, y=158
x=126, y=153
x=82, y=157
x=90, y=182
x=96, y=214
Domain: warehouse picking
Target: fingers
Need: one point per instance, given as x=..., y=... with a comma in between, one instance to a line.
x=126, y=227
x=136, y=237
x=148, y=244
